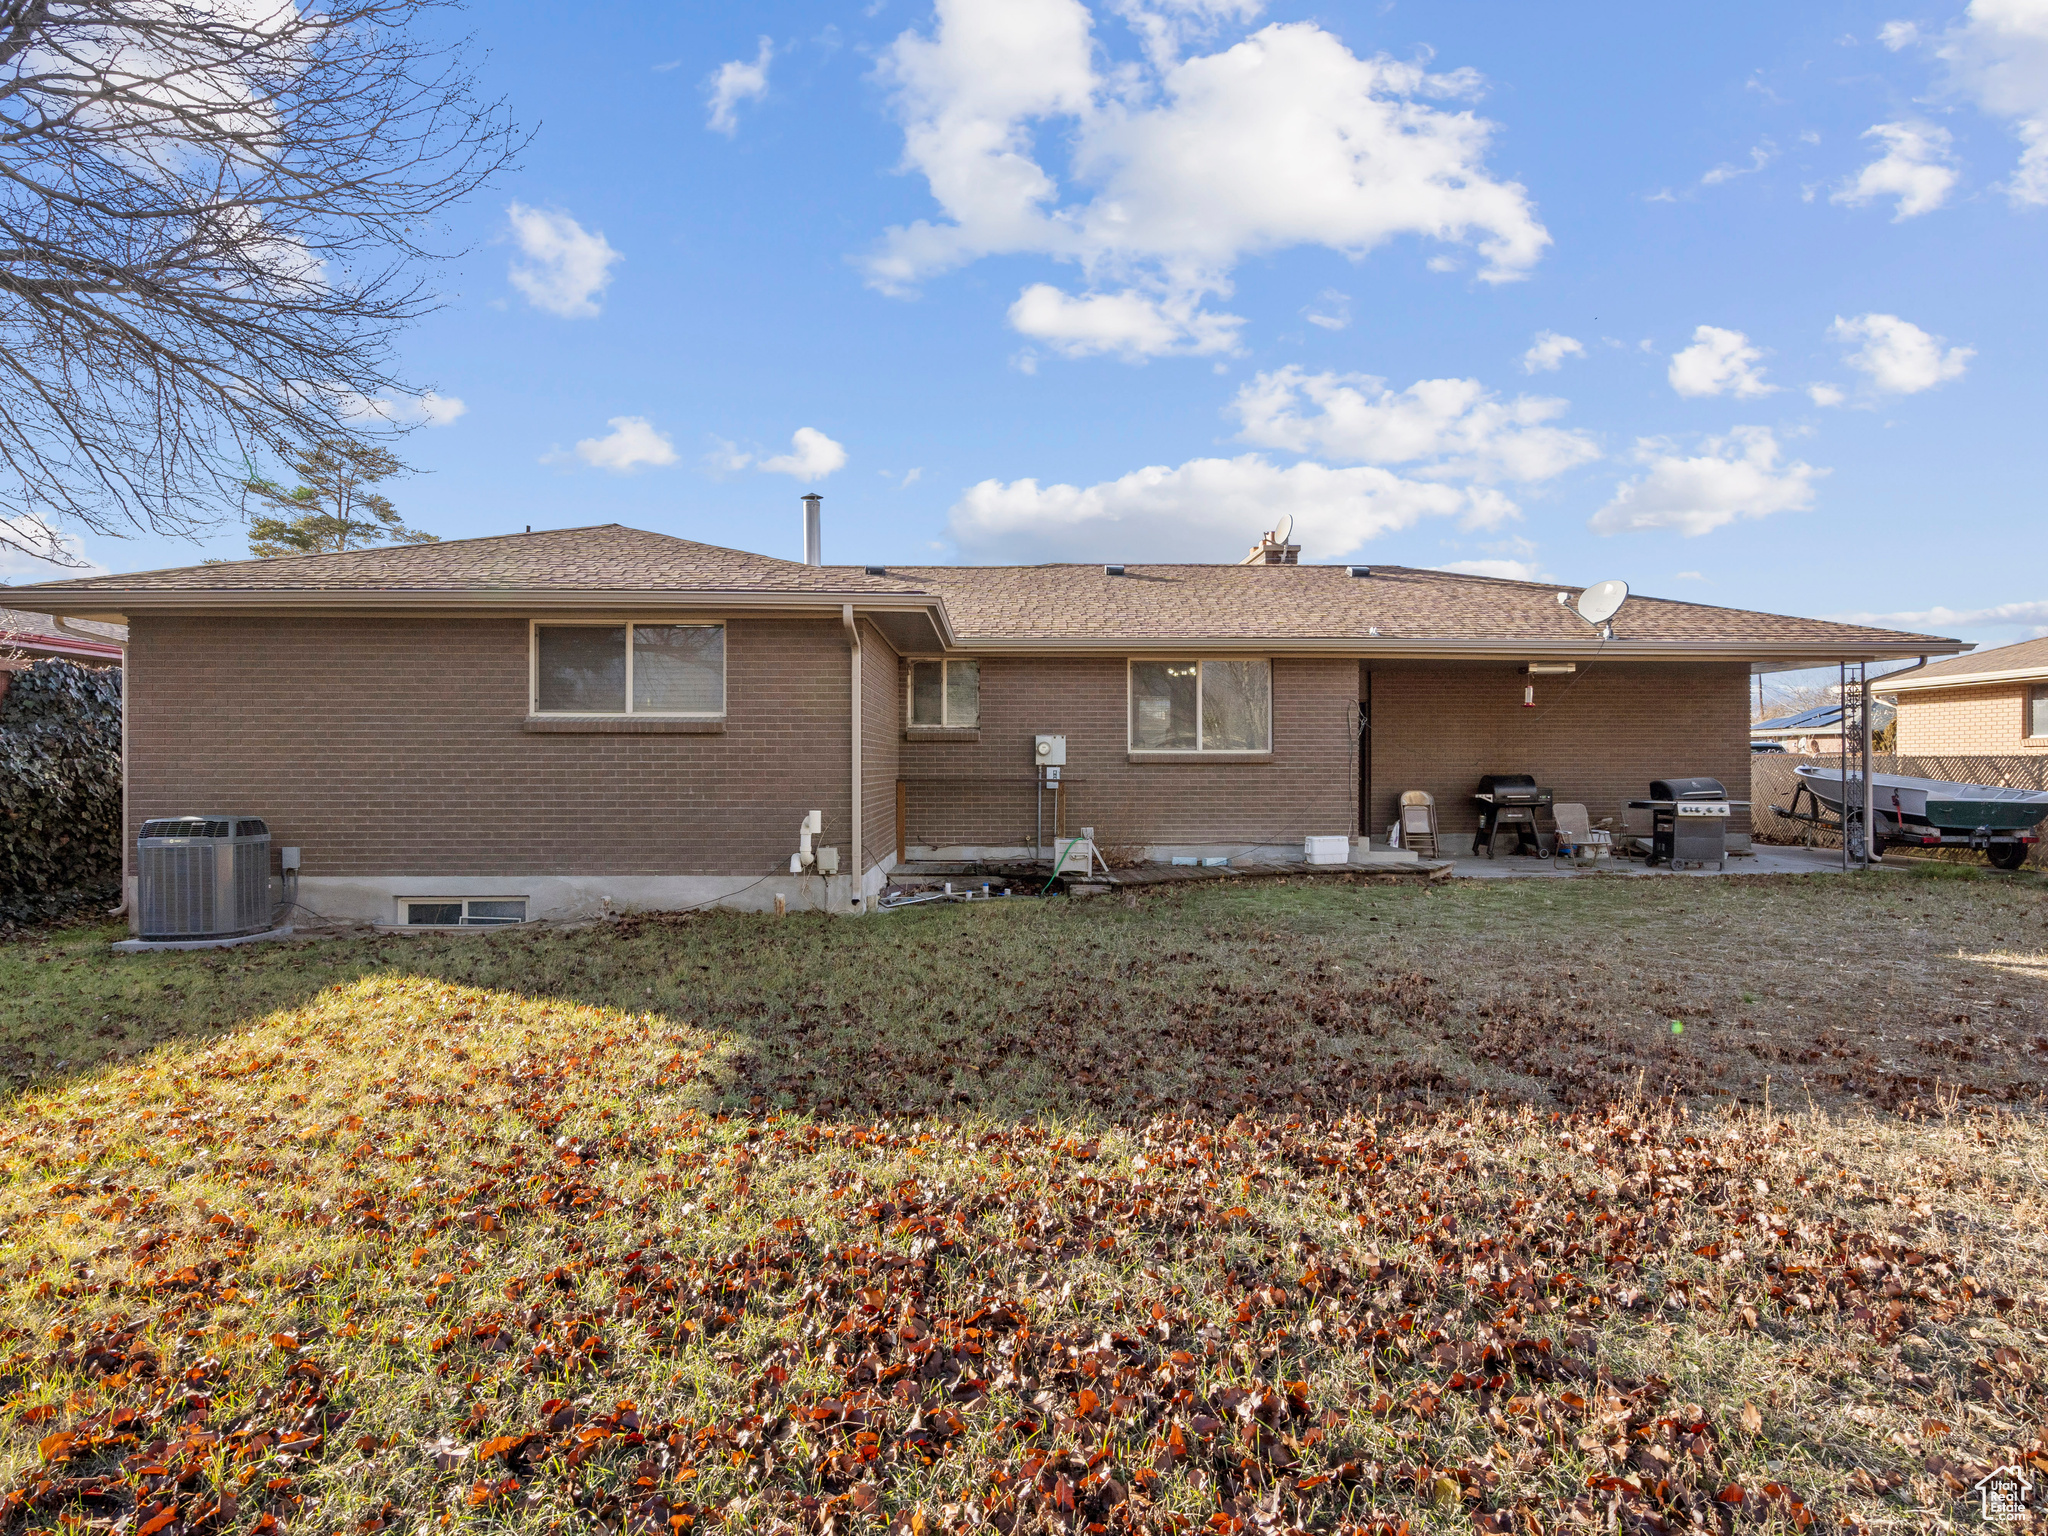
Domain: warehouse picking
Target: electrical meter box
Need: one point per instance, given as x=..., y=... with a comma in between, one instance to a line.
x=1050, y=751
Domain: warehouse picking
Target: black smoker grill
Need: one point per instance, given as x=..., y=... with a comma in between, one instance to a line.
x=1688, y=822
x=1510, y=805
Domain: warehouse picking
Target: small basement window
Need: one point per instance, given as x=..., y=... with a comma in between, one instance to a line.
x=1202, y=706
x=2037, y=710
x=945, y=693
x=469, y=912
x=672, y=670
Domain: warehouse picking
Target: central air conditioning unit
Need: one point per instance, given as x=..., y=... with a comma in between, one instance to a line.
x=203, y=877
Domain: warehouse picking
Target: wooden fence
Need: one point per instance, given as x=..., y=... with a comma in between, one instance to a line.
x=1771, y=782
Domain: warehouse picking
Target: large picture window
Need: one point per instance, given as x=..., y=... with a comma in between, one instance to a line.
x=945, y=693
x=2037, y=710
x=629, y=669
x=1202, y=706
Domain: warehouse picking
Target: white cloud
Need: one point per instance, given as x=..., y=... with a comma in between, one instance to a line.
x=2031, y=616
x=812, y=456
x=1718, y=362
x=1759, y=157
x=1915, y=168
x=31, y=550
x=1738, y=476
x=569, y=266
x=1690, y=576
x=1177, y=169
x=1206, y=510
x=1131, y=324
x=1825, y=394
x=631, y=444
x=1549, y=352
x=1507, y=570
x=1899, y=357
x=1450, y=428
x=736, y=81
x=1997, y=55
x=429, y=409
x=1331, y=311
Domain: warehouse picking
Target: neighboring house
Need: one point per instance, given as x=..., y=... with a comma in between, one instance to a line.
x=27, y=638
x=1986, y=704
x=553, y=720
x=1816, y=731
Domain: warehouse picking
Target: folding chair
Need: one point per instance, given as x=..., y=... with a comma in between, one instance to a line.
x=1577, y=839
x=1418, y=822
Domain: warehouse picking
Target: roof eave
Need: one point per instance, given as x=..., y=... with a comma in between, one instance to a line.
x=1485, y=648
x=116, y=601
x=1960, y=680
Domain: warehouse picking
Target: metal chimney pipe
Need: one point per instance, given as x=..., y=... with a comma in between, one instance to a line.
x=814, y=538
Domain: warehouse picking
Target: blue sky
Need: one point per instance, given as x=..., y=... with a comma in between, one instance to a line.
x=1741, y=305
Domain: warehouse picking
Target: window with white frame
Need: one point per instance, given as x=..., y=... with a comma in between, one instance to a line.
x=2037, y=710
x=1202, y=706
x=945, y=693
x=465, y=912
x=629, y=668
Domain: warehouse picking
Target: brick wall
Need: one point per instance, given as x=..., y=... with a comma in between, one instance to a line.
x=980, y=791
x=1438, y=727
x=393, y=746
x=881, y=740
x=1984, y=721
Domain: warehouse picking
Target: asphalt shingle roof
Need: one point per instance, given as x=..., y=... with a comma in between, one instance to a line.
x=605, y=558
x=2027, y=655
x=1048, y=603
x=1301, y=602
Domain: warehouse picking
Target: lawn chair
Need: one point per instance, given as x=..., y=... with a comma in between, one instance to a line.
x=1577, y=838
x=1418, y=822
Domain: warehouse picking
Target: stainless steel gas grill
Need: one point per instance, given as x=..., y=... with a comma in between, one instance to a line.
x=1511, y=806
x=1688, y=822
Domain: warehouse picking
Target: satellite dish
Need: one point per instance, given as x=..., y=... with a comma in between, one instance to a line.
x=1283, y=528
x=1600, y=602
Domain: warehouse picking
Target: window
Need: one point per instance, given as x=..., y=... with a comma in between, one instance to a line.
x=945, y=693
x=2037, y=710
x=629, y=669
x=1201, y=706
x=475, y=912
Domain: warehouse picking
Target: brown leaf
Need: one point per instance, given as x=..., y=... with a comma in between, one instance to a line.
x=1752, y=1420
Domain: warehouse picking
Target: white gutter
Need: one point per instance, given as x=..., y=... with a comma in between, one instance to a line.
x=114, y=604
x=1887, y=685
x=853, y=669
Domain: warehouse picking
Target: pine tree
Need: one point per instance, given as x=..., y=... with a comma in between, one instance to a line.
x=332, y=508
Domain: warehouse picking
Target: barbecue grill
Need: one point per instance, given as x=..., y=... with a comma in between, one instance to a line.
x=1688, y=822
x=1510, y=805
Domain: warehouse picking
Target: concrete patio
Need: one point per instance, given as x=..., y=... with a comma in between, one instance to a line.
x=1762, y=860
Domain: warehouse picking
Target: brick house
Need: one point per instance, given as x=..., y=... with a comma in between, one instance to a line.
x=1987, y=704
x=549, y=721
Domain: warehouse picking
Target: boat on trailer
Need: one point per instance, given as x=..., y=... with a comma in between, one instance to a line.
x=1923, y=813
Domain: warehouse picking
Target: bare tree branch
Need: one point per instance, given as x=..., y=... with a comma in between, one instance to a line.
x=213, y=216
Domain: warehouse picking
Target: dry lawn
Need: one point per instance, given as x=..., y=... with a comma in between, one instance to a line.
x=1249, y=1209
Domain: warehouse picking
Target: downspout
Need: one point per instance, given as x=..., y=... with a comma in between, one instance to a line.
x=853, y=667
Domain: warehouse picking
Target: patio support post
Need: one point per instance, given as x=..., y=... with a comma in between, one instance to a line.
x=1869, y=796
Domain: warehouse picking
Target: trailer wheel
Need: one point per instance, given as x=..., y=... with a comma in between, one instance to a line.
x=2006, y=855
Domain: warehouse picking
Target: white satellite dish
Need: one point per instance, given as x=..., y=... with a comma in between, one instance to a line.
x=1601, y=601
x=1283, y=528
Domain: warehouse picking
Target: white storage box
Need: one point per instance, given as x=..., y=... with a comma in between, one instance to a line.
x=1326, y=850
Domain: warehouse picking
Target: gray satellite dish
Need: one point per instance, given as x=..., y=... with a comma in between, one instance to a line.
x=1601, y=601
x=1283, y=528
